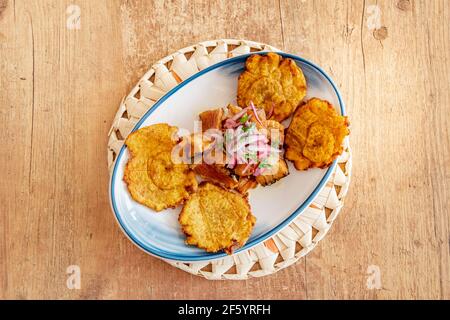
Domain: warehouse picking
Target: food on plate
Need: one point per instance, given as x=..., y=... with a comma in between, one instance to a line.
x=239, y=148
x=216, y=173
x=150, y=174
x=315, y=136
x=216, y=219
x=272, y=82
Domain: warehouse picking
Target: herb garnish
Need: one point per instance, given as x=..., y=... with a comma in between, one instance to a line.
x=244, y=118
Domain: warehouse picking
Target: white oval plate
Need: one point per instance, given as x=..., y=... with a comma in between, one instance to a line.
x=274, y=206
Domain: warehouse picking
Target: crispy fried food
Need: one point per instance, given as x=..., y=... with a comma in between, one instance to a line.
x=216, y=219
x=211, y=119
x=245, y=184
x=273, y=173
x=151, y=176
x=215, y=173
x=273, y=83
x=314, y=137
x=165, y=174
x=159, y=136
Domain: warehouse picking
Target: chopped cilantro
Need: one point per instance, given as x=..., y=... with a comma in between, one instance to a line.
x=244, y=118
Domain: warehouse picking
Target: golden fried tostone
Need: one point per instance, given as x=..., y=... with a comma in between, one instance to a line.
x=272, y=83
x=314, y=137
x=215, y=219
x=151, y=176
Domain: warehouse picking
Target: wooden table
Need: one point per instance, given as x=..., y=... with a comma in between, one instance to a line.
x=61, y=86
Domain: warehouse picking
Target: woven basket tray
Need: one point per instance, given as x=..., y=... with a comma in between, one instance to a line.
x=291, y=243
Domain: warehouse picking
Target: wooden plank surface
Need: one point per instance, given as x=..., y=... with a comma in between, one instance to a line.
x=60, y=88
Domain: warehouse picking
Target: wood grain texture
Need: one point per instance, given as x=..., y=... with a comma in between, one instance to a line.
x=60, y=89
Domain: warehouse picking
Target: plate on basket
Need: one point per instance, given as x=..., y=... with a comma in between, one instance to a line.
x=274, y=206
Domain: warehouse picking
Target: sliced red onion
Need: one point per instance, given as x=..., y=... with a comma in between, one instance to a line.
x=230, y=124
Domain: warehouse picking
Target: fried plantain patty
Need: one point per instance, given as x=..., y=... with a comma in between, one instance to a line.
x=314, y=137
x=151, y=176
x=216, y=219
x=273, y=83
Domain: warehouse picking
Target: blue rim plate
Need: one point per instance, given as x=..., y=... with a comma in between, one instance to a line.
x=158, y=233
